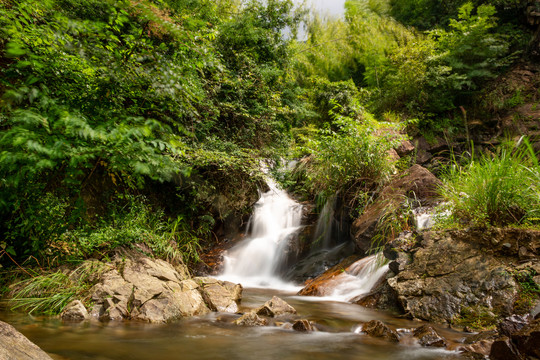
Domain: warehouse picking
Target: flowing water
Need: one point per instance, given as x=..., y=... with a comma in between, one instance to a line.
x=255, y=263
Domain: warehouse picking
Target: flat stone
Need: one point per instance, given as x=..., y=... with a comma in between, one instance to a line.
x=16, y=346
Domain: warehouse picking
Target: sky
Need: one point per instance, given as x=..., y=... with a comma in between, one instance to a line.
x=326, y=7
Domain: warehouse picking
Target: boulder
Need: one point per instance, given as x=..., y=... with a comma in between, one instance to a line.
x=427, y=336
x=504, y=349
x=75, y=311
x=513, y=324
x=275, y=307
x=436, y=287
x=378, y=329
x=142, y=288
x=417, y=183
x=405, y=148
x=527, y=340
x=302, y=325
x=250, y=319
x=222, y=296
x=478, y=345
x=15, y=346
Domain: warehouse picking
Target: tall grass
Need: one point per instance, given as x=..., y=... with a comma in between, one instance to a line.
x=497, y=190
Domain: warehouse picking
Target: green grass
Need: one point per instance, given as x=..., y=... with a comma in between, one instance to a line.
x=496, y=190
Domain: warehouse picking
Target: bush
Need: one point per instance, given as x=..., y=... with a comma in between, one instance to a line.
x=496, y=190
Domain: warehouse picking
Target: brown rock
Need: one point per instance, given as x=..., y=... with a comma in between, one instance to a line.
x=250, y=319
x=75, y=311
x=222, y=296
x=275, y=307
x=318, y=286
x=15, y=346
x=302, y=325
x=427, y=336
x=503, y=349
x=376, y=328
x=513, y=324
x=416, y=183
x=527, y=340
x=405, y=148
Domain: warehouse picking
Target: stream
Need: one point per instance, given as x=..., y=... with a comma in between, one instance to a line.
x=255, y=263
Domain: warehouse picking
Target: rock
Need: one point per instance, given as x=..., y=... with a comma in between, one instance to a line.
x=141, y=288
x=427, y=336
x=376, y=328
x=527, y=340
x=399, y=264
x=503, y=349
x=275, y=307
x=513, y=324
x=251, y=319
x=15, y=346
x=223, y=296
x=437, y=288
x=416, y=183
x=405, y=148
x=479, y=344
x=75, y=311
x=302, y=325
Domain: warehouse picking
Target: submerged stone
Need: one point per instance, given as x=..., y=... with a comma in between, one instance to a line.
x=251, y=319
x=302, y=325
x=427, y=336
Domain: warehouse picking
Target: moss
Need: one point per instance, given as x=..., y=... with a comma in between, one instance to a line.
x=529, y=291
x=476, y=317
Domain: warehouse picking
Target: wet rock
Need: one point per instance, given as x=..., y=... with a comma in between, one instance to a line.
x=427, y=336
x=223, y=296
x=146, y=289
x=302, y=325
x=15, y=346
x=527, y=340
x=513, y=324
x=504, y=349
x=75, y=311
x=437, y=287
x=251, y=319
x=479, y=344
x=275, y=307
x=378, y=329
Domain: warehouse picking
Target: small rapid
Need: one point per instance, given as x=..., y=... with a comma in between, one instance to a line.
x=256, y=261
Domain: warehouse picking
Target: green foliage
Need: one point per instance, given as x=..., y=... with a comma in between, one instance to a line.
x=50, y=293
x=529, y=291
x=495, y=190
x=351, y=159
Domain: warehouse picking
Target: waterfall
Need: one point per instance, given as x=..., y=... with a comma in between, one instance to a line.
x=255, y=262
x=359, y=278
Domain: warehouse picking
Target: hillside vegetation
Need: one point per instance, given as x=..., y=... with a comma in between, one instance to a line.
x=129, y=122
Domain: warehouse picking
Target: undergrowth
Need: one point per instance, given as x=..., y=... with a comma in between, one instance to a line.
x=494, y=190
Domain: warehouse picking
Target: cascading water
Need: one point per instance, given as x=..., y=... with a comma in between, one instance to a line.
x=359, y=278
x=255, y=262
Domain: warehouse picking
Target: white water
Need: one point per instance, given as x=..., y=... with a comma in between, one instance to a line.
x=255, y=262
x=359, y=278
